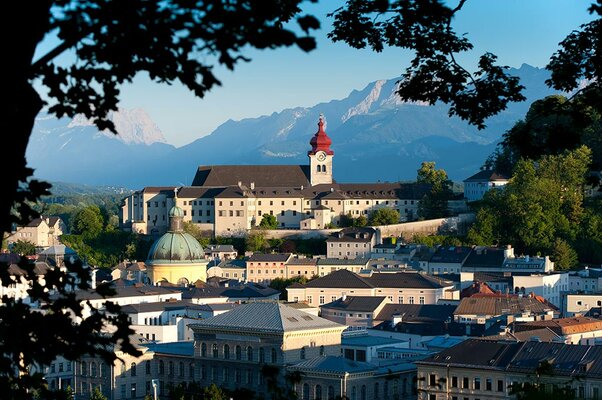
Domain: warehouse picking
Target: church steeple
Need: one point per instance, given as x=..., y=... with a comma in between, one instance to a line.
x=320, y=156
x=320, y=141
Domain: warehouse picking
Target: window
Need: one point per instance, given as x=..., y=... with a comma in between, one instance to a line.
x=171, y=368
x=133, y=390
x=432, y=380
x=321, y=350
x=147, y=368
x=500, y=385
x=376, y=391
x=249, y=353
x=309, y=299
x=411, y=300
x=318, y=393
x=226, y=352
x=274, y=356
x=465, y=384
x=302, y=355
x=132, y=369
x=261, y=355
x=421, y=299
x=477, y=383
x=161, y=367
x=321, y=299
x=489, y=384
x=214, y=351
x=181, y=369
x=454, y=381
x=84, y=368
x=203, y=350
x=282, y=213
x=191, y=370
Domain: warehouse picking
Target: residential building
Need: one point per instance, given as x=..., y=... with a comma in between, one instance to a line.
x=305, y=267
x=550, y=286
x=587, y=280
x=365, y=347
x=356, y=312
x=448, y=260
x=221, y=252
x=578, y=304
x=489, y=370
x=264, y=268
x=43, y=232
x=329, y=265
x=230, y=269
x=401, y=287
x=231, y=349
x=573, y=330
x=480, y=183
x=351, y=243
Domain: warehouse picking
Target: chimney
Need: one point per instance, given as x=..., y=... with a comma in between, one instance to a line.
x=252, y=185
x=396, y=319
x=508, y=252
x=344, y=297
x=239, y=183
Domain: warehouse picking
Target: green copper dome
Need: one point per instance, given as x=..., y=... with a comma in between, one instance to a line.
x=176, y=212
x=175, y=248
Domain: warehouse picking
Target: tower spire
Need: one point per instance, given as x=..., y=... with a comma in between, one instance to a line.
x=320, y=141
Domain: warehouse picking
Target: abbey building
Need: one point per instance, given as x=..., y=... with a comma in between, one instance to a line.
x=230, y=199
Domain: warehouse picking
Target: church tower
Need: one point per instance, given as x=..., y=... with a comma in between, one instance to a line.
x=320, y=156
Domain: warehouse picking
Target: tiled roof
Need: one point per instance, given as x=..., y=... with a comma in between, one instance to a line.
x=410, y=280
x=352, y=235
x=485, y=354
x=157, y=189
x=563, y=326
x=241, y=264
x=335, y=365
x=160, y=306
x=486, y=175
x=543, y=335
x=357, y=303
x=476, y=287
x=337, y=261
x=417, y=312
x=266, y=317
x=487, y=257
x=234, y=192
x=302, y=261
x=499, y=305
x=340, y=279
x=261, y=175
x=451, y=254
x=276, y=257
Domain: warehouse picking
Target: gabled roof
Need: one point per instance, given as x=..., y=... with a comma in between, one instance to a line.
x=451, y=254
x=275, y=257
x=563, y=326
x=261, y=175
x=543, y=335
x=410, y=280
x=302, y=261
x=357, y=303
x=476, y=287
x=352, y=235
x=486, y=175
x=340, y=279
x=500, y=305
x=269, y=317
x=417, y=312
x=478, y=353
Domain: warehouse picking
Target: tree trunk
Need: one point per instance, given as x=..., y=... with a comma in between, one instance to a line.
x=30, y=22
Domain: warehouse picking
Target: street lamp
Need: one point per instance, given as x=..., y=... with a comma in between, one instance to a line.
x=155, y=383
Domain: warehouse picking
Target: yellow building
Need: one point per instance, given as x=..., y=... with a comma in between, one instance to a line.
x=177, y=257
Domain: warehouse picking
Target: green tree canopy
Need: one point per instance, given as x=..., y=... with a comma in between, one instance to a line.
x=434, y=204
x=384, y=216
x=88, y=222
x=24, y=248
x=268, y=221
x=97, y=395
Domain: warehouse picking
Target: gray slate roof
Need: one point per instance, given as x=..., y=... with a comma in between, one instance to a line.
x=486, y=175
x=269, y=317
x=261, y=175
x=335, y=365
x=357, y=303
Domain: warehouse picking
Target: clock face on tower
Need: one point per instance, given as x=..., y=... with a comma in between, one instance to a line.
x=320, y=156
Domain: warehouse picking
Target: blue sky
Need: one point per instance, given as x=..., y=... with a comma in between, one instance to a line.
x=517, y=31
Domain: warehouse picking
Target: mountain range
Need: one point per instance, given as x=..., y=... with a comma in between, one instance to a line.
x=375, y=137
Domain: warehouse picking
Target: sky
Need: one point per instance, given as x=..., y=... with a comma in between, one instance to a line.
x=517, y=31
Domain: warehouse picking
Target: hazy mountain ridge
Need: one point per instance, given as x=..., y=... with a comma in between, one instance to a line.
x=375, y=136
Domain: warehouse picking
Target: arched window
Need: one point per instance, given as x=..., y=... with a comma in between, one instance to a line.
x=323, y=168
x=214, y=350
x=261, y=355
x=363, y=392
x=238, y=353
x=171, y=371
x=274, y=356
x=161, y=367
x=93, y=369
x=353, y=393
x=84, y=368
x=203, y=349
x=305, y=392
x=249, y=353
x=376, y=391
x=330, y=393
x=318, y=393
x=303, y=353
x=147, y=367
x=404, y=389
x=321, y=350
x=132, y=369
x=318, y=168
x=226, y=352
x=191, y=370
x=181, y=368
